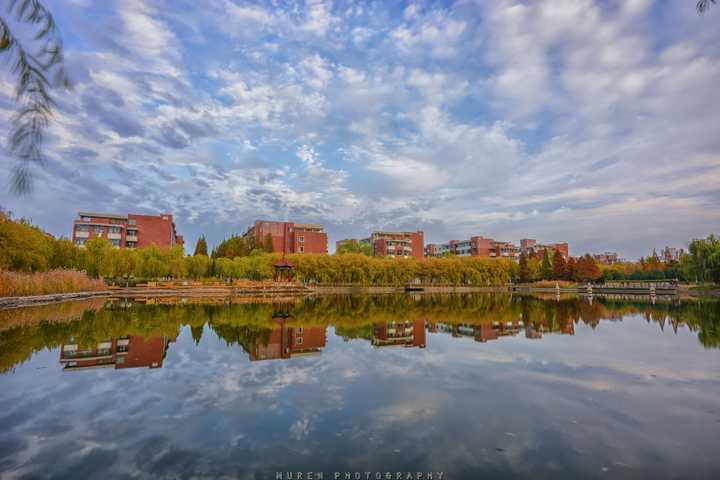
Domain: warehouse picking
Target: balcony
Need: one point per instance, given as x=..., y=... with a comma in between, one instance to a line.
x=131, y=238
x=114, y=236
x=82, y=234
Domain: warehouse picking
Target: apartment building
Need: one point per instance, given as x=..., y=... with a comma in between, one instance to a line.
x=290, y=237
x=127, y=231
x=531, y=248
x=606, y=258
x=476, y=246
x=397, y=244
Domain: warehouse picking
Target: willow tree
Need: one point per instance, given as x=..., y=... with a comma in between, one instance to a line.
x=38, y=67
x=703, y=5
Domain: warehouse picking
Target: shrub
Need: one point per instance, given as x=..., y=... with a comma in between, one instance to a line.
x=15, y=284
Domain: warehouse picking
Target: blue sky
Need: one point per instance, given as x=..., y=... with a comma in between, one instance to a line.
x=590, y=122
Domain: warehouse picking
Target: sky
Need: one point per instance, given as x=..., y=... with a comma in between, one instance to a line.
x=591, y=122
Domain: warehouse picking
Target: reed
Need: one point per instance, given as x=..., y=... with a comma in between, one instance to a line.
x=16, y=284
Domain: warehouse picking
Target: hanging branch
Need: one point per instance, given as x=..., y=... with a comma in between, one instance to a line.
x=36, y=73
x=703, y=5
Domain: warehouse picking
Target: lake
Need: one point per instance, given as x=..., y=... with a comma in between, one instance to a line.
x=467, y=386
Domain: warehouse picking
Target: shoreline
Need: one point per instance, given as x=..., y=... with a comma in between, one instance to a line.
x=298, y=291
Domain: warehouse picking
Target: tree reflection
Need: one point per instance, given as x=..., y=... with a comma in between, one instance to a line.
x=282, y=330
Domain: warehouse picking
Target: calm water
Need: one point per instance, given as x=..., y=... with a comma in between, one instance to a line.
x=483, y=386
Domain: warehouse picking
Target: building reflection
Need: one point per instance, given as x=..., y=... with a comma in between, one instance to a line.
x=410, y=333
x=487, y=331
x=288, y=341
x=480, y=332
x=132, y=351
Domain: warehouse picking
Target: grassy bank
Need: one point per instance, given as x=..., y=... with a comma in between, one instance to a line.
x=14, y=284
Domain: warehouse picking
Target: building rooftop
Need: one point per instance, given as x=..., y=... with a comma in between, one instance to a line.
x=103, y=215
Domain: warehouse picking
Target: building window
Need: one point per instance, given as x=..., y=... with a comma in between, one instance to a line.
x=302, y=249
x=86, y=219
x=299, y=341
x=115, y=242
x=80, y=241
x=301, y=238
x=114, y=229
x=81, y=228
x=132, y=233
x=132, y=222
x=131, y=244
x=99, y=230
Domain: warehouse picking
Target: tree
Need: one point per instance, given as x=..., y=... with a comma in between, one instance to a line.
x=201, y=246
x=197, y=332
x=197, y=266
x=23, y=246
x=546, y=269
x=36, y=74
x=558, y=266
x=363, y=248
x=570, y=269
x=703, y=5
x=524, y=272
x=98, y=262
x=704, y=259
x=268, y=243
x=587, y=269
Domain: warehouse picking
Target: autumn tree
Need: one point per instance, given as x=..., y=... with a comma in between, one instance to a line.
x=558, y=266
x=570, y=269
x=587, y=269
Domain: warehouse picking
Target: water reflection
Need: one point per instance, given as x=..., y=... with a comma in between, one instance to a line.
x=478, y=386
x=128, y=334
x=132, y=351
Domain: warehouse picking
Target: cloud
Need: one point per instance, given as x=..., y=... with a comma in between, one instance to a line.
x=560, y=120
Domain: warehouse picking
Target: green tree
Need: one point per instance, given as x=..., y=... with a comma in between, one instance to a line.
x=559, y=267
x=704, y=259
x=201, y=246
x=546, y=269
x=363, y=248
x=197, y=266
x=38, y=66
x=524, y=272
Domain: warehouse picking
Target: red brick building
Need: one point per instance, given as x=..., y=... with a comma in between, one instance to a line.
x=606, y=258
x=531, y=248
x=289, y=342
x=125, y=352
x=127, y=231
x=476, y=246
x=398, y=244
x=290, y=237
